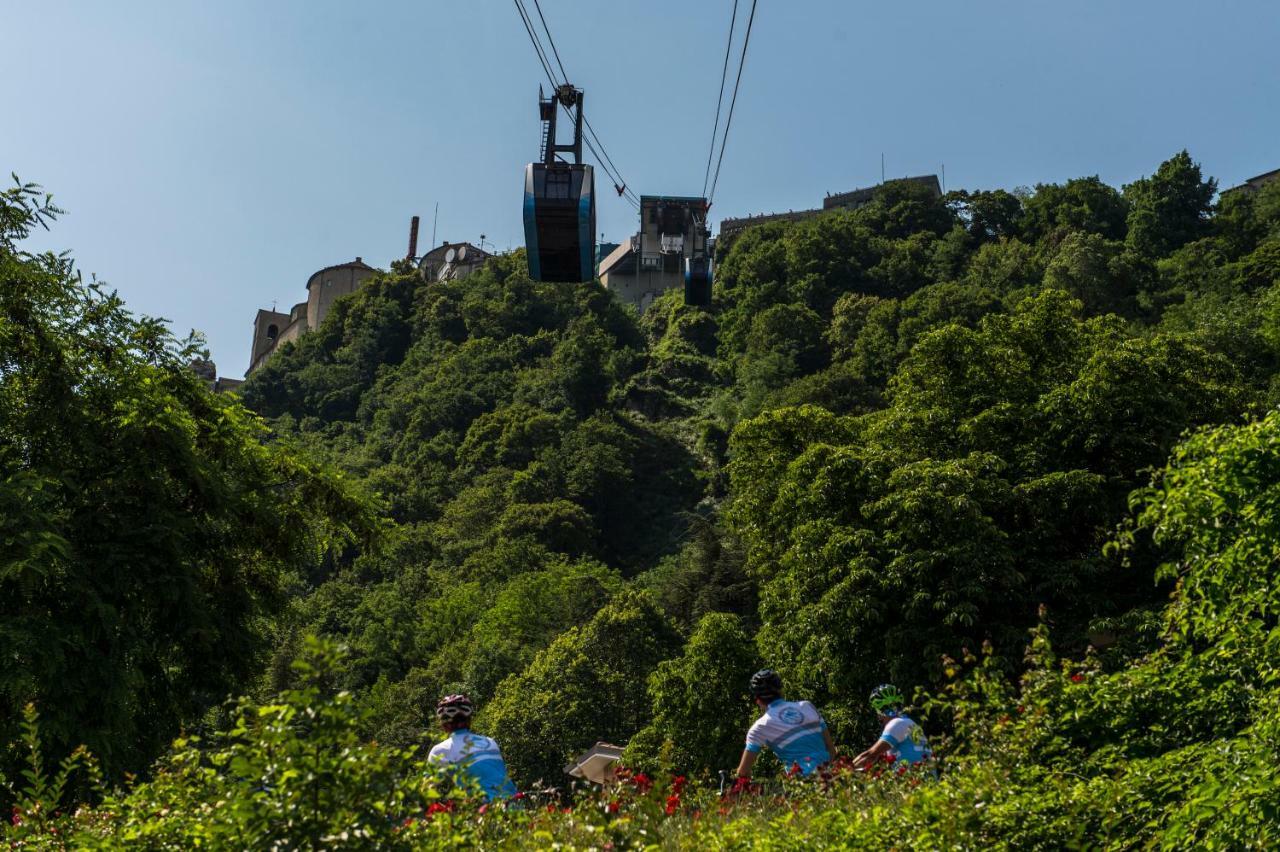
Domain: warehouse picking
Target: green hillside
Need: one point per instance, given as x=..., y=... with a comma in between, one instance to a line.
x=1014, y=452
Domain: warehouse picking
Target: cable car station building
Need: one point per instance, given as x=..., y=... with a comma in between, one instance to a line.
x=673, y=234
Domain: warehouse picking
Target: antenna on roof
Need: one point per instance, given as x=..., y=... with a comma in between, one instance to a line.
x=435, y=220
x=882, y=167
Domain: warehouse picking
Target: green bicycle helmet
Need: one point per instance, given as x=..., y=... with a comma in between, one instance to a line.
x=887, y=700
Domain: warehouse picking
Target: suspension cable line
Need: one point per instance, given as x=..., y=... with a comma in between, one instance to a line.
x=550, y=40
x=724, y=74
x=734, y=101
x=607, y=158
x=537, y=45
x=598, y=149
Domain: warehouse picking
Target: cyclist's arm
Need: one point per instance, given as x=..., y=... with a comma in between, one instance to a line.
x=868, y=756
x=748, y=761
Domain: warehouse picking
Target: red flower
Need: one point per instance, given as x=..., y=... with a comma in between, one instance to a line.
x=1077, y=677
x=551, y=808
x=17, y=815
x=1021, y=709
x=521, y=795
x=794, y=770
x=888, y=757
x=484, y=809
x=642, y=782
x=902, y=769
x=437, y=808
x=677, y=784
x=673, y=803
x=612, y=807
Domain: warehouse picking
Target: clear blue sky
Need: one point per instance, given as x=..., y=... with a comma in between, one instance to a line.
x=212, y=155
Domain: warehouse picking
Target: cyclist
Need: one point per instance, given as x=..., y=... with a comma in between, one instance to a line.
x=793, y=730
x=474, y=757
x=901, y=738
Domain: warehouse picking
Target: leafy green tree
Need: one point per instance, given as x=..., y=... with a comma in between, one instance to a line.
x=987, y=216
x=1104, y=277
x=851, y=314
x=701, y=711
x=986, y=487
x=707, y=575
x=1081, y=204
x=1170, y=208
x=1257, y=270
x=793, y=331
x=326, y=372
x=528, y=613
x=588, y=685
x=148, y=532
x=509, y=437
x=901, y=209
x=1005, y=266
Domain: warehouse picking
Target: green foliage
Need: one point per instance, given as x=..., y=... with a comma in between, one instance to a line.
x=1082, y=204
x=35, y=805
x=528, y=614
x=293, y=774
x=898, y=433
x=1170, y=208
x=588, y=685
x=700, y=704
x=146, y=531
x=985, y=488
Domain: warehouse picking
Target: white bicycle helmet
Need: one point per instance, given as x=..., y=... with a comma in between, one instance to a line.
x=453, y=707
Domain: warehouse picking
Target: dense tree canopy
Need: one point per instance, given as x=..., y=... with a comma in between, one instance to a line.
x=147, y=532
x=900, y=434
x=897, y=432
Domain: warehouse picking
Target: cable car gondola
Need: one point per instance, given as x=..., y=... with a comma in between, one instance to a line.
x=560, y=201
x=697, y=281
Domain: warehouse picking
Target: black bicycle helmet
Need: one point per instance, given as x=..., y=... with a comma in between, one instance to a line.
x=765, y=683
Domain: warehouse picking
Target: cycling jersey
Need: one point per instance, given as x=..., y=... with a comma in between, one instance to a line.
x=793, y=731
x=479, y=758
x=906, y=740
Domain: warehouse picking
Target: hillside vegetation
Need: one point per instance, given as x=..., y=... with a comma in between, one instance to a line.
x=1011, y=451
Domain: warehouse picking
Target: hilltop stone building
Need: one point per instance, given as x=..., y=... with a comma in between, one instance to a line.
x=851, y=200
x=451, y=261
x=272, y=328
x=1254, y=183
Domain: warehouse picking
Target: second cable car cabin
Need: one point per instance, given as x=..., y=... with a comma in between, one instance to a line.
x=560, y=200
x=697, y=281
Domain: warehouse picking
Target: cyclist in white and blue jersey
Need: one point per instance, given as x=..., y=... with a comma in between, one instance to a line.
x=793, y=730
x=474, y=757
x=902, y=738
